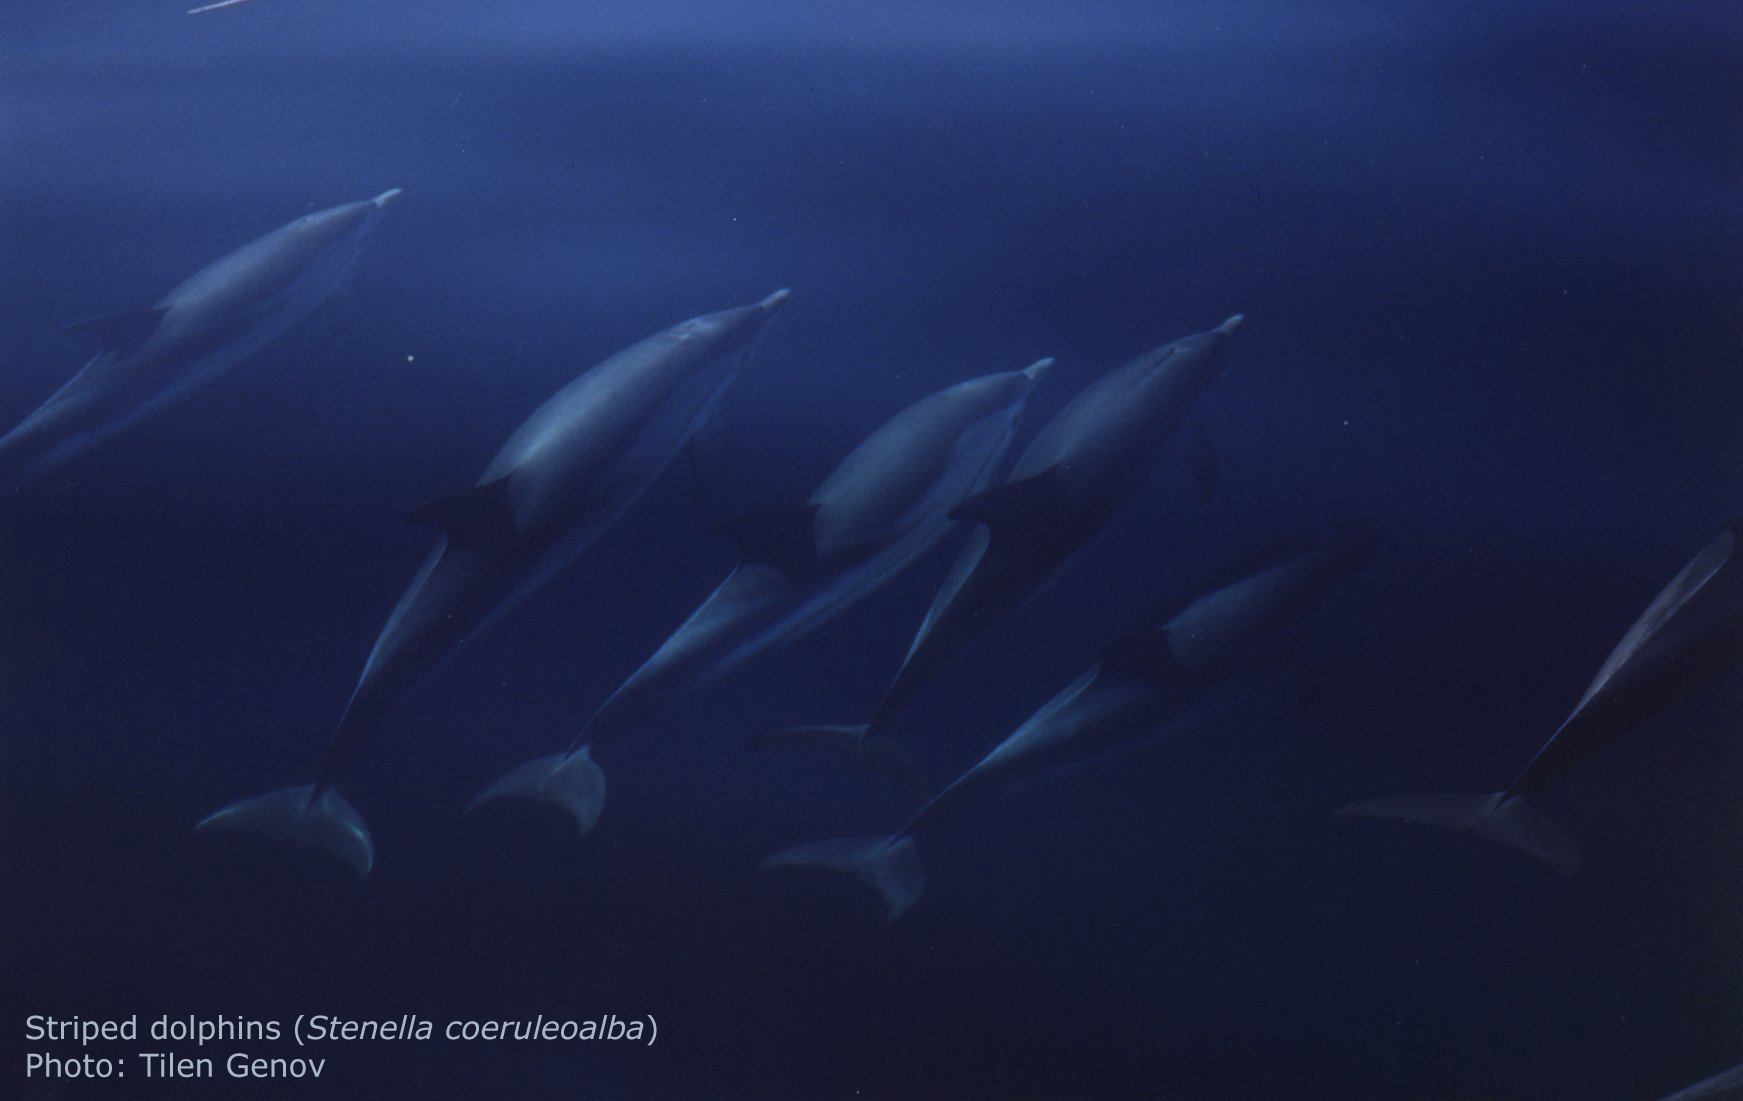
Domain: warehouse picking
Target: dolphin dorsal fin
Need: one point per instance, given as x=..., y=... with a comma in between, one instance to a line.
x=1012, y=503
x=784, y=538
x=120, y=333
x=482, y=516
x=1144, y=657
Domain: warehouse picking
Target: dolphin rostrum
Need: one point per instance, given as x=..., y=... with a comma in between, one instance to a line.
x=1146, y=684
x=1082, y=467
x=221, y=315
x=1693, y=628
x=882, y=508
x=564, y=476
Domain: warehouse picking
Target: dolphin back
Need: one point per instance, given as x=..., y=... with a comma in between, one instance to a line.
x=1252, y=617
x=592, y=448
x=921, y=462
x=1124, y=420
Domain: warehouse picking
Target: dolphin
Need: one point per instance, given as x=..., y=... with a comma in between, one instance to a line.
x=1727, y=1083
x=221, y=315
x=1082, y=467
x=882, y=508
x=1146, y=683
x=1690, y=631
x=565, y=475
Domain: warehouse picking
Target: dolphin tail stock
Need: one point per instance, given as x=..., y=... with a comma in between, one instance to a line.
x=1499, y=817
x=888, y=865
x=856, y=745
x=317, y=819
x=571, y=782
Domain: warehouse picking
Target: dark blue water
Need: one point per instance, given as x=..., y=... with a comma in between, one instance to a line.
x=1490, y=260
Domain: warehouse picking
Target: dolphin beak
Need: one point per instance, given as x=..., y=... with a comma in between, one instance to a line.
x=1234, y=322
x=382, y=200
x=1035, y=370
x=773, y=301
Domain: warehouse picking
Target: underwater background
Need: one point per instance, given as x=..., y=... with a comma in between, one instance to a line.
x=1490, y=258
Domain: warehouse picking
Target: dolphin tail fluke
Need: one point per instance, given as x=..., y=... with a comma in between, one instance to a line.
x=325, y=822
x=856, y=745
x=570, y=781
x=888, y=865
x=1496, y=817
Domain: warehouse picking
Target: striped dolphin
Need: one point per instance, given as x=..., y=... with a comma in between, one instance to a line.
x=219, y=316
x=884, y=506
x=1085, y=464
x=565, y=475
x=1692, y=629
x=1145, y=684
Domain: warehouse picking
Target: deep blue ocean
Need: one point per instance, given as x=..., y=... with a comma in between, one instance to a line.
x=1491, y=261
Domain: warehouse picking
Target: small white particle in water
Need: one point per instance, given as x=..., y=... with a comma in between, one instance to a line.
x=411, y=359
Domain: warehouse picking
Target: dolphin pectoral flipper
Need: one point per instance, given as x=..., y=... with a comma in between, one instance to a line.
x=482, y=516
x=571, y=782
x=784, y=538
x=1496, y=817
x=329, y=824
x=1010, y=504
x=120, y=333
x=888, y=865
